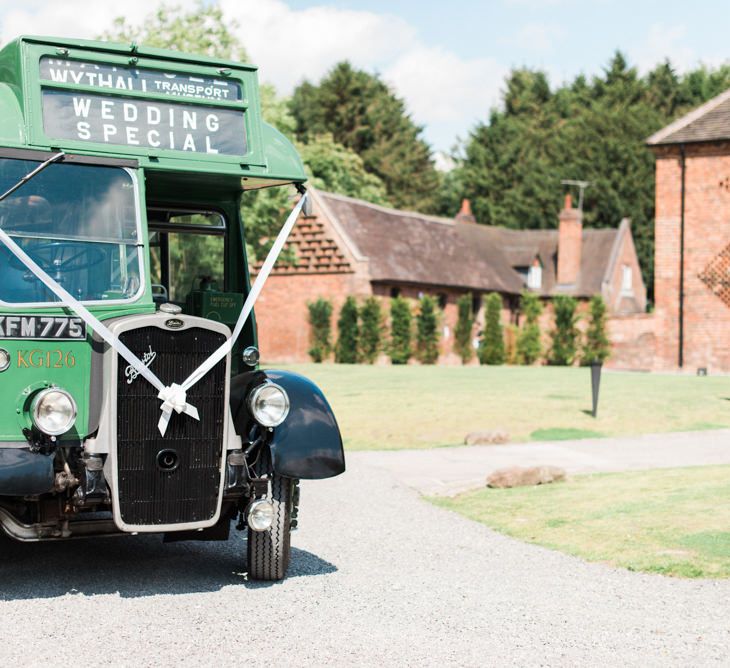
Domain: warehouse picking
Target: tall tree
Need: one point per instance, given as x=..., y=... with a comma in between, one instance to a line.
x=333, y=167
x=590, y=129
x=203, y=30
x=363, y=114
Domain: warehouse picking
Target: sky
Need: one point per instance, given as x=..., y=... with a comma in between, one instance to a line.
x=447, y=60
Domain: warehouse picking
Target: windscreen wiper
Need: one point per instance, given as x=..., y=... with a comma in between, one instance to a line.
x=54, y=158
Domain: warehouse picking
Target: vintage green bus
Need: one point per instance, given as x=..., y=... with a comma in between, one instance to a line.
x=131, y=399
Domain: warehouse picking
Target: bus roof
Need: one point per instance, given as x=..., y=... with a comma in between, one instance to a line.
x=168, y=110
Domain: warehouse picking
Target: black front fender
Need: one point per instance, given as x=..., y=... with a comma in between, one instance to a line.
x=308, y=444
x=25, y=473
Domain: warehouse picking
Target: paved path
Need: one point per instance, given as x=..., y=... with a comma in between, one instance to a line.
x=379, y=578
x=448, y=471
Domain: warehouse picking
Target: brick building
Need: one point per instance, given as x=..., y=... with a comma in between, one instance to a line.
x=692, y=265
x=351, y=247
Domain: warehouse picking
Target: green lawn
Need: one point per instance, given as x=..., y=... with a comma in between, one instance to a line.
x=672, y=521
x=389, y=407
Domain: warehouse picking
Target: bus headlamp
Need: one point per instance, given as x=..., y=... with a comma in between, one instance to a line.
x=269, y=404
x=260, y=515
x=53, y=411
x=4, y=359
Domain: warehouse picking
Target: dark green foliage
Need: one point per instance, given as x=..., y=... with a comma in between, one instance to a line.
x=347, y=333
x=203, y=29
x=529, y=347
x=565, y=335
x=427, y=332
x=338, y=169
x=592, y=129
x=363, y=114
x=371, y=330
x=320, y=317
x=491, y=345
x=464, y=328
x=401, y=324
x=597, y=347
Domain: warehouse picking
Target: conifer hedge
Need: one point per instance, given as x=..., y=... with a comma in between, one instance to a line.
x=320, y=315
x=491, y=345
x=401, y=324
x=347, y=333
x=427, y=332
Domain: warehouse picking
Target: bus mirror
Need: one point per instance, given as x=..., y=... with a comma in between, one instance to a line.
x=307, y=208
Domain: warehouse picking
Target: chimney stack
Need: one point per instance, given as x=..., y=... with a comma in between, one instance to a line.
x=570, y=241
x=465, y=215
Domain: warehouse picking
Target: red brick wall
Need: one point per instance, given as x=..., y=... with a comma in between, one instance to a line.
x=707, y=233
x=282, y=316
x=633, y=342
x=617, y=301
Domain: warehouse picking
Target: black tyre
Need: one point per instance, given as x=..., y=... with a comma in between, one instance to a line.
x=269, y=552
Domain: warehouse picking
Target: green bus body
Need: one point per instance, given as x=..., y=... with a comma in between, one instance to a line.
x=131, y=165
x=184, y=177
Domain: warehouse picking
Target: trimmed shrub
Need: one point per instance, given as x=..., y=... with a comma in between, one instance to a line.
x=491, y=345
x=427, y=331
x=511, y=332
x=371, y=330
x=565, y=335
x=464, y=327
x=529, y=348
x=320, y=315
x=347, y=333
x=401, y=323
x=597, y=347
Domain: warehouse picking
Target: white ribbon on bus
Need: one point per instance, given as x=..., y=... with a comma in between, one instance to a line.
x=174, y=396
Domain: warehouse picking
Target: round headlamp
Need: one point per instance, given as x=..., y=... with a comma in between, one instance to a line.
x=260, y=515
x=53, y=411
x=269, y=404
x=4, y=359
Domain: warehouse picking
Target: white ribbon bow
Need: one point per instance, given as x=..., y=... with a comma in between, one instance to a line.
x=174, y=399
x=174, y=396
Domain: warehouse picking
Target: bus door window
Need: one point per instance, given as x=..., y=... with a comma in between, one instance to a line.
x=187, y=249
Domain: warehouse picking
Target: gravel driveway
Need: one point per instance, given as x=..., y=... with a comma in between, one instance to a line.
x=379, y=577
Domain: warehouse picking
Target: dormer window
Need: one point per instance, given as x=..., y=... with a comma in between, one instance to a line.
x=534, y=276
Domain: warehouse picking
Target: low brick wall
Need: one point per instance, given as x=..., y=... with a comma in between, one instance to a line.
x=633, y=342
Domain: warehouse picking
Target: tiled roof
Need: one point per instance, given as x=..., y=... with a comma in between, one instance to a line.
x=406, y=247
x=709, y=122
x=521, y=247
x=315, y=252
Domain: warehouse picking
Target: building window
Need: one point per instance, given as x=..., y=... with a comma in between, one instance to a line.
x=627, y=280
x=534, y=277
x=443, y=299
x=395, y=292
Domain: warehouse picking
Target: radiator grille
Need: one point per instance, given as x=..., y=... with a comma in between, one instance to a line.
x=147, y=494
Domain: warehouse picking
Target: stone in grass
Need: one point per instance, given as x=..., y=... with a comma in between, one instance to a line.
x=524, y=476
x=492, y=437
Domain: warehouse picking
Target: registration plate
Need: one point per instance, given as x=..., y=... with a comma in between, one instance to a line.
x=42, y=327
